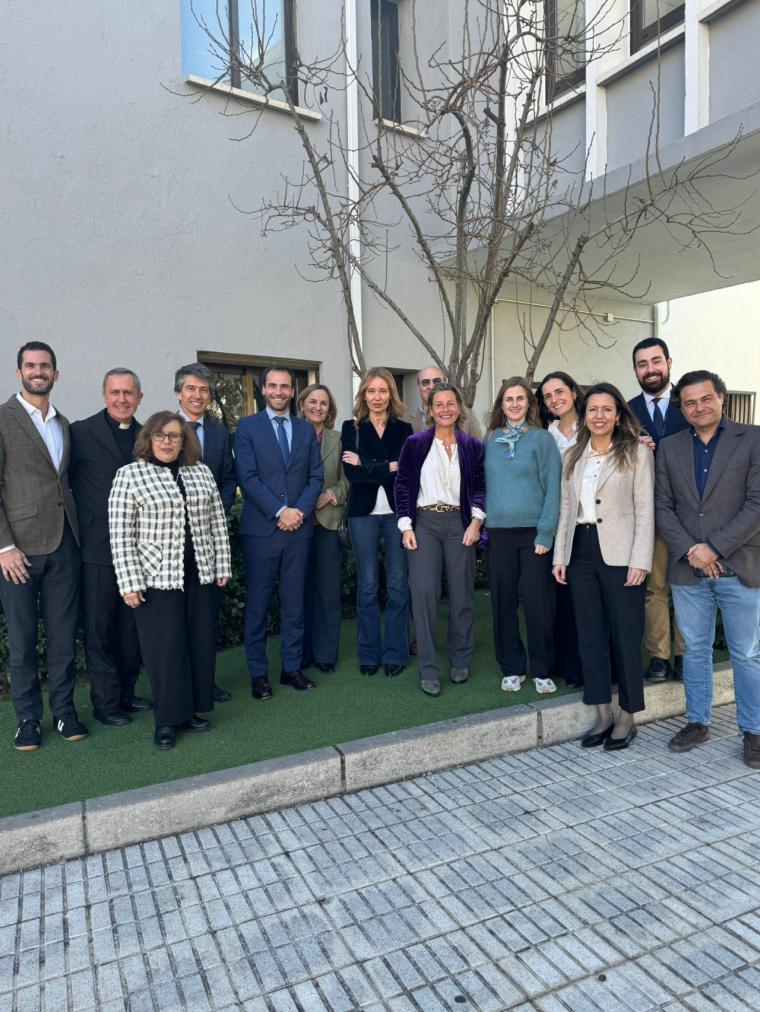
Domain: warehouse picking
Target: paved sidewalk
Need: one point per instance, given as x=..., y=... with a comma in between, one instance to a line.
x=555, y=879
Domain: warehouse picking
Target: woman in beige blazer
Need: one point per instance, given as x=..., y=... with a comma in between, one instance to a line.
x=322, y=592
x=603, y=551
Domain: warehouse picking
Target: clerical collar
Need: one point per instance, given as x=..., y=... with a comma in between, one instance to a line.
x=119, y=425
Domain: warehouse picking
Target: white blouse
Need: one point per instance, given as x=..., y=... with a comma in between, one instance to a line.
x=440, y=481
x=587, y=500
x=563, y=442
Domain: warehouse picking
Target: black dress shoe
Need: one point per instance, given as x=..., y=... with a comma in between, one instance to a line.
x=326, y=668
x=297, y=679
x=615, y=744
x=593, y=738
x=136, y=705
x=164, y=737
x=112, y=718
x=195, y=723
x=368, y=669
x=221, y=695
x=678, y=668
x=658, y=670
x=260, y=688
x=393, y=670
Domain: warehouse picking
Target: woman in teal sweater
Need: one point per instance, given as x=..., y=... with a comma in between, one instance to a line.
x=523, y=472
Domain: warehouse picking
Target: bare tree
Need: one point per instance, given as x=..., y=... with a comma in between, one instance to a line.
x=477, y=186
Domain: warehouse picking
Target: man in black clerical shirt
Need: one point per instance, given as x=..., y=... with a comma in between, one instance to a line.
x=100, y=445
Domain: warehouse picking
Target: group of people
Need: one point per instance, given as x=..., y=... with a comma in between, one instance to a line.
x=560, y=492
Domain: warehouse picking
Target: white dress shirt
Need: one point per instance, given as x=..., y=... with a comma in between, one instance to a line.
x=192, y=422
x=49, y=428
x=563, y=442
x=587, y=500
x=663, y=400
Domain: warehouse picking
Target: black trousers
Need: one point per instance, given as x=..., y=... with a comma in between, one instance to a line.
x=608, y=616
x=110, y=639
x=177, y=632
x=322, y=604
x=53, y=590
x=567, y=659
x=516, y=573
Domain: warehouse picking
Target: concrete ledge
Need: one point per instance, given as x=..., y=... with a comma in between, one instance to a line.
x=44, y=837
x=57, y=834
x=400, y=754
x=133, y=816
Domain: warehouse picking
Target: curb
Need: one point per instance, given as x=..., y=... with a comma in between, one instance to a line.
x=118, y=820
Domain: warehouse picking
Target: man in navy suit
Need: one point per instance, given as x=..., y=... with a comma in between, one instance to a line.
x=100, y=445
x=193, y=384
x=279, y=468
x=659, y=417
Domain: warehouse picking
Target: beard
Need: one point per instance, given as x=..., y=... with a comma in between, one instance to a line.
x=38, y=388
x=653, y=385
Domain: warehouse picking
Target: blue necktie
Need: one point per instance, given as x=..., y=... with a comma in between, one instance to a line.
x=657, y=418
x=282, y=439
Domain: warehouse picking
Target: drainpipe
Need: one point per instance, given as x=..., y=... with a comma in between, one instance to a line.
x=352, y=160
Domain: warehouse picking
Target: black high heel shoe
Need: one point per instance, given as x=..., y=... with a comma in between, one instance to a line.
x=615, y=744
x=593, y=738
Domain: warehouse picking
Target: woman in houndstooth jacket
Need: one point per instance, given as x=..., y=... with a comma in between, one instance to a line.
x=171, y=552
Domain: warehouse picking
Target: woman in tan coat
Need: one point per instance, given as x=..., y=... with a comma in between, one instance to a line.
x=603, y=551
x=323, y=600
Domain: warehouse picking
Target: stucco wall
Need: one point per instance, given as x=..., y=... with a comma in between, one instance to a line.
x=734, y=45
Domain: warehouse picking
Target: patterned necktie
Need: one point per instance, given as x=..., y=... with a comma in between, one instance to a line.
x=657, y=418
x=282, y=439
x=195, y=426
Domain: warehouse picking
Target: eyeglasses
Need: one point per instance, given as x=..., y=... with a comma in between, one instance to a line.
x=167, y=437
x=429, y=382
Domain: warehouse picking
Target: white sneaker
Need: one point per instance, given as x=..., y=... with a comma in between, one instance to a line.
x=544, y=685
x=512, y=683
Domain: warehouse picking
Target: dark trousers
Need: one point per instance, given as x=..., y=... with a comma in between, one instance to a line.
x=516, y=573
x=608, y=615
x=110, y=639
x=439, y=547
x=322, y=605
x=177, y=632
x=567, y=658
x=52, y=590
x=283, y=556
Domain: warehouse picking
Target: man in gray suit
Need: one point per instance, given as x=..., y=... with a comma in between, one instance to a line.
x=39, y=548
x=707, y=498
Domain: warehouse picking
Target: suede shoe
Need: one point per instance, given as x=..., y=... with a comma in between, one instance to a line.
x=260, y=688
x=296, y=679
x=658, y=670
x=70, y=727
x=752, y=750
x=689, y=737
x=459, y=675
x=27, y=737
x=430, y=687
x=164, y=737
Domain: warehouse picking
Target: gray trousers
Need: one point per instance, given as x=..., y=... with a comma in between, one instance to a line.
x=439, y=545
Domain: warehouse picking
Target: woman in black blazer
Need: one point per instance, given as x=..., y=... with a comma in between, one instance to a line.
x=371, y=444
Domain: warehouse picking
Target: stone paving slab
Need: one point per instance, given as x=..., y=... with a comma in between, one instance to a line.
x=556, y=879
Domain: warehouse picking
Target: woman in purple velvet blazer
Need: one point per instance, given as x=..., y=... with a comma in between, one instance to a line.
x=440, y=505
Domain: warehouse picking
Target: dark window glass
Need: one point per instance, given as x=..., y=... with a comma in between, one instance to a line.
x=386, y=76
x=565, y=46
x=649, y=18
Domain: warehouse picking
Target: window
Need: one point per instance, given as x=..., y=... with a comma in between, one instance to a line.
x=219, y=40
x=651, y=17
x=237, y=378
x=386, y=76
x=565, y=46
x=740, y=407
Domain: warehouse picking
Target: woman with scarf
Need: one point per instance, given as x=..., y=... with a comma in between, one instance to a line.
x=523, y=471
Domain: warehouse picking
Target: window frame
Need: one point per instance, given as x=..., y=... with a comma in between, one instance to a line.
x=386, y=87
x=642, y=34
x=556, y=87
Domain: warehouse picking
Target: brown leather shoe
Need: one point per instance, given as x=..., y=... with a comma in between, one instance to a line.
x=689, y=737
x=752, y=750
x=297, y=679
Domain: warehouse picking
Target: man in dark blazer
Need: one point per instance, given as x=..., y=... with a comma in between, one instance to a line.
x=660, y=417
x=39, y=548
x=193, y=385
x=280, y=472
x=100, y=445
x=707, y=498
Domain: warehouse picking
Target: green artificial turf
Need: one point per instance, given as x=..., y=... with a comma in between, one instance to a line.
x=345, y=706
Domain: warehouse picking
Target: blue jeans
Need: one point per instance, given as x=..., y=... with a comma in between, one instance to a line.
x=374, y=649
x=696, y=608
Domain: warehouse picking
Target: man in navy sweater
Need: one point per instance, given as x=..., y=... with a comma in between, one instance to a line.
x=659, y=418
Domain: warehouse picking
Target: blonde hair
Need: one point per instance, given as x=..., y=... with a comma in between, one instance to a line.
x=396, y=407
x=332, y=410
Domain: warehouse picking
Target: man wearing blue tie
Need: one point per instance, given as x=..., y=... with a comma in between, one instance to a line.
x=280, y=472
x=659, y=418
